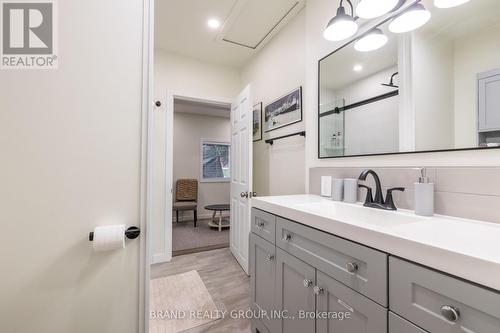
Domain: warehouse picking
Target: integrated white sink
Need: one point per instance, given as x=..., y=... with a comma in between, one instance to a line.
x=358, y=214
x=466, y=248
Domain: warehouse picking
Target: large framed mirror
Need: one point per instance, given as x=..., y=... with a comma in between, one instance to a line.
x=436, y=88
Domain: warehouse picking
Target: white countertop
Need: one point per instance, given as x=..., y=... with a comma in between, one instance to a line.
x=465, y=248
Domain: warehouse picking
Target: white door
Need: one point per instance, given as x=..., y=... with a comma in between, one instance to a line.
x=241, y=175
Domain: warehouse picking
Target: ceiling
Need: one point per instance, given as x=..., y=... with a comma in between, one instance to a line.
x=202, y=108
x=247, y=25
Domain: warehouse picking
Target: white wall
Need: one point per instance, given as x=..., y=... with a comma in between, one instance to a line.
x=432, y=84
x=189, y=130
x=474, y=53
x=71, y=149
x=318, y=12
x=186, y=77
x=276, y=70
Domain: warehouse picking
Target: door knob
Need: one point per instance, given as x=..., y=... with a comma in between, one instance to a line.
x=307, y=283
x=270, y=257
x=351, y=267
x=451, y=313
x=244, y=194
x=252, y=194
x=318, y=290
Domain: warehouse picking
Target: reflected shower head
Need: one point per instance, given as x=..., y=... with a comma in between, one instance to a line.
x=391, y=82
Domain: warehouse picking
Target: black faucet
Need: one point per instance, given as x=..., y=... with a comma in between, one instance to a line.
x=378, y=201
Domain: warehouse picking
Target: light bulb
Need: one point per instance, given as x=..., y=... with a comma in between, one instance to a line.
x=341, y=27
x=413, y=18
x=374, y=40
x=449, y=3
x=369, y=9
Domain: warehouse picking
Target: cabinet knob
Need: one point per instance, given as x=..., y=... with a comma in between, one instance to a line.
x=244, y=194
x=351, y=267
x=287, y=237
x=270, y=257
x=261, y=224
x=307, y=283
x=451, y=313
x=318, y=290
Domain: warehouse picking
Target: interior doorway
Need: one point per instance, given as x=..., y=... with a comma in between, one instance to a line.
x=200, y=175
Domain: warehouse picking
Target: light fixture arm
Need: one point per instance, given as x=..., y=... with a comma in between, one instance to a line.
x=350, y=4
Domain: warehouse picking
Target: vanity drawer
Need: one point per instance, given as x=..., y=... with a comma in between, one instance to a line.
x=432, y=300
x=263, y=224
x=399, y=325
x=358, y=267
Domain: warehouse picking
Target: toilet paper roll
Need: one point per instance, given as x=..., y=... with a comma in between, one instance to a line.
x=109, y=237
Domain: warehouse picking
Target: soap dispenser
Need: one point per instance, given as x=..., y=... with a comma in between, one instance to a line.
x=424, y=195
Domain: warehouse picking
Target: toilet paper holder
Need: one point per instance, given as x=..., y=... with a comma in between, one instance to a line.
x=130, y=233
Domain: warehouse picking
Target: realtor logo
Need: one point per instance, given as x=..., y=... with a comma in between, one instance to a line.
x=28, y=32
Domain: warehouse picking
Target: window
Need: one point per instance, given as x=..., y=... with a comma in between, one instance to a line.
x=215, y=161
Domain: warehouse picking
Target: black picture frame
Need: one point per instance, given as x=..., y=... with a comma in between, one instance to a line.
x=257, y=108
x=277, y=103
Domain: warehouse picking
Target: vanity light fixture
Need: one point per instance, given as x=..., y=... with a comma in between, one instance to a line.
x=213, y=23
x=369, y=9
x=413, y=18
x=449, y=3
x=342, y=26
x=372, y=41
x=357, y=68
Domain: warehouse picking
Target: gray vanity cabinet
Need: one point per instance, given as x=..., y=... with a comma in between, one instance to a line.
x=365, y=316
x=295, y=283
x=441, y=303
x=263, y=272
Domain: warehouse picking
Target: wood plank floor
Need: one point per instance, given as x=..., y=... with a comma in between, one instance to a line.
x=227, y=283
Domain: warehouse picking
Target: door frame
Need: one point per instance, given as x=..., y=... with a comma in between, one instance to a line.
x=145, y=164
x=171, y=94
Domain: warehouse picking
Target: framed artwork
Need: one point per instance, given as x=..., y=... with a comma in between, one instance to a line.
x=284, y=111
x=257, y=122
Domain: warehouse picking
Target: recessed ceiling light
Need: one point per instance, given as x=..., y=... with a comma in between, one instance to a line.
x=357, y=68
x=413, y=18
x=449, y=3
x=213, y=23
x=369, y=9
x=374, y=40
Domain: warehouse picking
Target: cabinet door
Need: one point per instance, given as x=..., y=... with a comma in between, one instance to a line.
x=295, y=282
x=263, y=277
x=489, y=103
x=343, y=310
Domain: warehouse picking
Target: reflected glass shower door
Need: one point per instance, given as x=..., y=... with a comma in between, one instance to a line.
x=332, y=129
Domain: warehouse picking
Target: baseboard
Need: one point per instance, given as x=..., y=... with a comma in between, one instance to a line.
x=160, y=258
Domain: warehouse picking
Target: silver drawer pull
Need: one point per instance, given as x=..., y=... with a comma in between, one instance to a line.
x=451, y=313
x=351, y=267
x=270, y=257
x=287, y=237
x=344, y=304
x=318, y=290
x=307, y=283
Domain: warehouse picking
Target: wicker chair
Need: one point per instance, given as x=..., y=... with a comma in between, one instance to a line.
x=186, y=196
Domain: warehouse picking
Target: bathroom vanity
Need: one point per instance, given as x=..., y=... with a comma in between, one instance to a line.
x=312, y=259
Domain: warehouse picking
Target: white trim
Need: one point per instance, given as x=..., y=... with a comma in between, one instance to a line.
x=166, y=254
x=145, y=177
x=215, y=142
